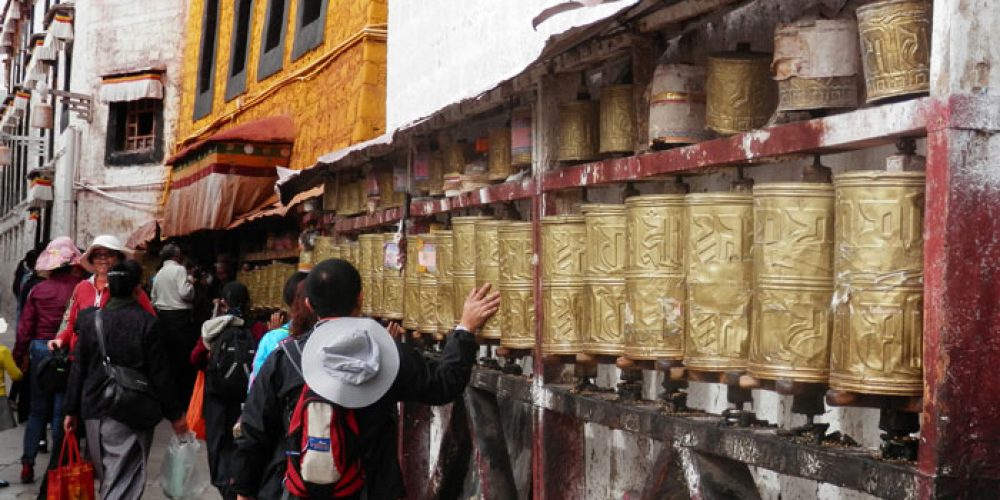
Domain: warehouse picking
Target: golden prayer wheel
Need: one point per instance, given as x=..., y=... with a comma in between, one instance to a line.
x=454, y=157
x=816, y=64
x=617, y=119
x=463, y=258
x=306, y=259
x=322, y=248
x=677, y=105
x=411, y=285
x=604, y=279
x=446, y=284
x=488, y=268
x=427, y=272
x=578, y=131
x=516, y=286
x=520, y=137
x=499, y=154
x=387, y=195
x=895, y=47
x=564, y=240
x=740, y=94
x=654, y=277
x=435, y=183
x=878, y=297
x=793, y=281
x=719, y=281
x=365, y=270
x=392, y=284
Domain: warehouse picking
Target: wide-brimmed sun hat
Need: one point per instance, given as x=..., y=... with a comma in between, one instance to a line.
x=60, y=252
x=350, y=361
x=107, y=241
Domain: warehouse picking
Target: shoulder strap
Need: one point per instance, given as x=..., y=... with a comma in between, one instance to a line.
x=99, y=327
x=294, y=354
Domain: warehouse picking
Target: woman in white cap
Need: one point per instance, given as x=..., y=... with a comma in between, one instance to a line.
x=104, y=252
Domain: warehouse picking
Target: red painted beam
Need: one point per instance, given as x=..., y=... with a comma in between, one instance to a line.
x=867, y=127
x=369, y=221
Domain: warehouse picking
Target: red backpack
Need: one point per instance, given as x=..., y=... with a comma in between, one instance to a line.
x=322, y=444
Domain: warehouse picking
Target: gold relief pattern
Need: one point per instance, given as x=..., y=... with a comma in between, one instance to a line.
x=487, y=252
x=741, y=95
x=499, y=154
x=793, y=232
x=518, y=320
x=578, y=133
x=411, y=303
x=446, y=306
x=392, y=298
x=654, y=317
x=717, y=333
x=463, y=286
x=427, y=295
x=655, y=236
x=564, y=242
x=791, y=334
x=515, y=253
x=605, y=329
x=464, y=243
x=617, y=119
x=444, y=251
x=564, y=318
x=605, y=252
x=895, y=47
x=877, y=341
x=796, y=93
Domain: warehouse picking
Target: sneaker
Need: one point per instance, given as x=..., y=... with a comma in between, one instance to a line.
x=4, y=484
x=43, y=446
x=27, y=473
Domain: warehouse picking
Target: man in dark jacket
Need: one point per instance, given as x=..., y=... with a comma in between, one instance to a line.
x=334, y=290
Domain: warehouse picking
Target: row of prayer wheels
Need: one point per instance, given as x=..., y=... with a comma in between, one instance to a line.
x=809, y=282
x=266, y=284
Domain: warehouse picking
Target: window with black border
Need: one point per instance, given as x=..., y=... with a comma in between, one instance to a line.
x=272, y=43
x=205, y=88
x=310, y=26
x=239, y=51
x=135, y=132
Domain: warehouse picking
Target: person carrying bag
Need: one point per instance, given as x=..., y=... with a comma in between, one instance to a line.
x=127, y=393
x=73, y=479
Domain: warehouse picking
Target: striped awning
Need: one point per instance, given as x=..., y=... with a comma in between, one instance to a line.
x=132, y=86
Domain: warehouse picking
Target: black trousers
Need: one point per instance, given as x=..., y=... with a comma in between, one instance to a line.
x=220, y=417
x=179, y=337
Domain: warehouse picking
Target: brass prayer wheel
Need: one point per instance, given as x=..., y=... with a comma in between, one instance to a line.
x=564, y=239
x=499, y=154
x=446, y=284
x=520, y=137
x=654, y=277
x=816, y=64
x=411, y=285
x=463, y=258
x=428, y=283
x=454, y=157
x=895, y=47
x=516, y=286
x=793, y=281
x=377, y=266
x=878, y=269
x=740, y=94
x=488, y=268
x=322, y=248
x=365, y=270
x=435, y=182
x=617, y=119
x=719, y=280
x=677, y=105
x=604, y=278
x=392, y=285
x=577, y=131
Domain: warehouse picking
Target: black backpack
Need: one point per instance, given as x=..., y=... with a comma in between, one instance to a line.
x=227, y=375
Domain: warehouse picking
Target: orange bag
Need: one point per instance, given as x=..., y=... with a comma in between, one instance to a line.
x=73, y=479
x=195, y=418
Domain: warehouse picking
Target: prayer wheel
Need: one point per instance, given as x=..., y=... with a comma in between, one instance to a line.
x=677, y=105
x=719, y=281
x=577, y=131
x=435, y=183
x=446, y=284
x=411, y=285
x=377, y=266
x=617, y=119
x=322, y=248
x=564, y=239
x=392, y=280
x=793, y=281
x=604, y=279
x=454, y=157
x=428, y=282
x=516, y=286
x=499, y=154
x=816, y=64
x=520, y=137
x=654, y=277
x=463, y=258
x=365, y=270
x=306, y=260
x=895, y=48
x=488, y=269
x=878, y=269
x=740, y=94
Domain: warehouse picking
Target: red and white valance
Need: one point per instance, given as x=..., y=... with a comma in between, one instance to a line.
x=62, y=26
x=132, y=87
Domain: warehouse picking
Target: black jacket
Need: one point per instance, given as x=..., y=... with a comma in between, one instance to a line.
x=260, y=455
x=132, y=340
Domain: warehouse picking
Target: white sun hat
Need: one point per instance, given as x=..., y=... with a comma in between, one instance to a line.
x=350, y=361
x=108, y=241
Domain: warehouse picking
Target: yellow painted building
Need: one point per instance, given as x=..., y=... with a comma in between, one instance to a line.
x=320, y=62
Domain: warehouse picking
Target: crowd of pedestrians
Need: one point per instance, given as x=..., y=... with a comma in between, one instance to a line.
x=302, y=405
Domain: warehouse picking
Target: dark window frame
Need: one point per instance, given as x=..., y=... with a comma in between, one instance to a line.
x=272, y=61
x=204, y=96
x=236, y=84
x=113, y=153
x=311, y=35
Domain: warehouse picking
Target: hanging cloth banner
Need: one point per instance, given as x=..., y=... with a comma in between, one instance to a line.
x=45, y=49
x=39, y=191
x=62, y=27
x=21, y=99
x=132, y=87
